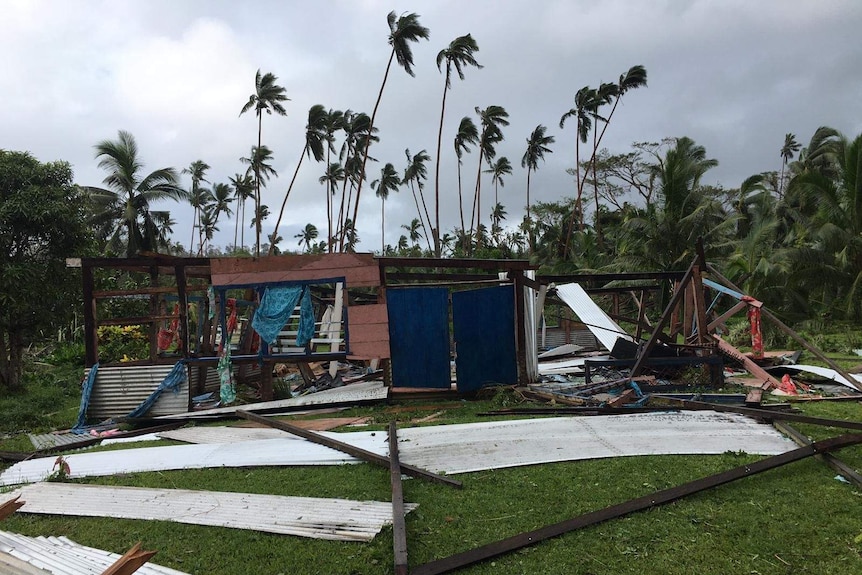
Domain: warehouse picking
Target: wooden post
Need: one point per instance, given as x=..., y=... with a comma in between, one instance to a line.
x=520, y=326
x=91, y=337
x=399, y=528
x=183, y=301
x=699, y=307
x=154, y=311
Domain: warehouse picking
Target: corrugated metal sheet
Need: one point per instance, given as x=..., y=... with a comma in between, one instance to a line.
x=567, y=365
x=555, y=336
x=317, y=518
x=49, y=440
x=452, y=448
x=823, y=372
x=223, y=434
x=492, y=445
x=61, y=556
x=353, y=393
x=597, y=321
x=118, y=390
x=269, y=452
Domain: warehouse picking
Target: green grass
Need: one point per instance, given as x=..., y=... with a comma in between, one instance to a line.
x=796, y=519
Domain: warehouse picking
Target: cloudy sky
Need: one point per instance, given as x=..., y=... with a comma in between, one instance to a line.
x=734, y=75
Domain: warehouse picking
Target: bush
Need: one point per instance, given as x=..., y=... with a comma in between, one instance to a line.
x=123, y=343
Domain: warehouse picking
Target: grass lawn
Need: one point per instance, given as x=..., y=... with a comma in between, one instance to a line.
x=796, y=519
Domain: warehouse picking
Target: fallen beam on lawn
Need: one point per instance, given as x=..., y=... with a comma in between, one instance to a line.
x=10, y=507
x=766, y=414
x=357, y=452
x=130, y=562
x=399, y=528
x=838, y=465
x=459, y=560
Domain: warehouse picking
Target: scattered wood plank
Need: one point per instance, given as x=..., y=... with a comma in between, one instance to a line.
x=10, y=507
x=399, y=528
x=463, y=559
x=349, y=449
x=754, y=397
x=133, y=559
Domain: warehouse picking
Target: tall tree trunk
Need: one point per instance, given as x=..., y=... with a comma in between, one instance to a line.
x=194, y=221
x=382, y=226
x=342, y=217
x=596, y=189
x=529, y=219
x=419, y=212
x=437, y=168
x=460, y=198
x=578, y=190
x=328, y=191
x=236, y=228
x=286, y=195
x=475, y=216
x=257, y=224
x=368, y=140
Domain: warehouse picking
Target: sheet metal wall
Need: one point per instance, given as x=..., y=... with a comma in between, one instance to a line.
x=119, y=390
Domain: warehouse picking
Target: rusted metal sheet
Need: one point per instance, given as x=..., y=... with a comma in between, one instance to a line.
x=358, y=270
x=118, y=390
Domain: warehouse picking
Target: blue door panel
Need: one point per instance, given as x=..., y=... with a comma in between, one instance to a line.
x=484, y=328
x=419, y=337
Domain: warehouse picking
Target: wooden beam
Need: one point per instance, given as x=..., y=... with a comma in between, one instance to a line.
x=7, y=508
x=726, y=316
x=833, y=462
x=786, y=329
x=455, y=263
x=133, y=560
x=522, y=540
x=699, y=307
x=674, y=301
x=357, y=452
x=91, y=337
x=399, y=528
x=747, y=363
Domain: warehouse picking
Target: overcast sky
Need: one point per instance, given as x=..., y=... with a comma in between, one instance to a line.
x=734, y=75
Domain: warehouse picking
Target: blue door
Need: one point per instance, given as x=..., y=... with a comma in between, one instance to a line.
x=484, y=326
x=419, y=337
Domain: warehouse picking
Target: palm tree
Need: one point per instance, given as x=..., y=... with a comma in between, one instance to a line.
x=388, y=182
x=413, y=230
x=307, y=236
x=358, y=132
x=333, y=123
x=243, y=189
x=124, y=204
x=498, y=214
x=418, y=173
x=262, y=214
x=790, y=147
x=267, y=97
x=584, y=100
x=334, y=174
x=467, y=135
x=259, y=165
x=459, y=53
x=502, y=167
x=537, y=147
x=315, y=136
x=197, y=170
x=492, y=118
x=402, y=31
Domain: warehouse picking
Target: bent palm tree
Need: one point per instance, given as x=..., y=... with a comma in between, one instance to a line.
x=402, y=31
x=790, y=147
x=417, y=172
x=388, y=182
x=315, y=136
x=584, y=100
x=334, y=174
x=537, y=147
x=468, y=135
x=243, y=189
x=197, y=170
x=333, y=123
x=492, y=118
x=502, y=167
x=459, y=53
x=267, y=97
x=307, y=236
x=125, y=204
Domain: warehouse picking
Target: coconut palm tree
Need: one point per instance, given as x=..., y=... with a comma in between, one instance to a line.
x=467, y=135
x=458, y=54
x=197, y=170
x=418, y=173
x=315, y=137
x=585, y=99
x=403, y=30
x=537, y=147
x=790, y=147
x=502, y=167
x=124, y=205
x=243, y=189
x=492, y=118
x=333, y=123
x=307, y=236
x=413, y=231
x=387, y=182
x=267, y=97
x=259, y=164
x=358, y=134
x=334, y=174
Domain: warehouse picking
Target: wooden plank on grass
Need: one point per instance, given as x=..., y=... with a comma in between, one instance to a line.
x=11, y=506
x=399, y=528
x=459, y=560
x=357, y=452
x=133, y=560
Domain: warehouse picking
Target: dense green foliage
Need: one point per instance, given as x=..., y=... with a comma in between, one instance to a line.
x=41, y=224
